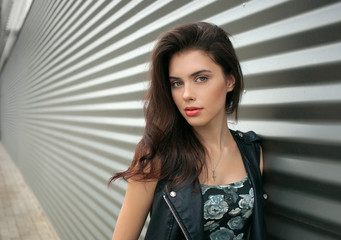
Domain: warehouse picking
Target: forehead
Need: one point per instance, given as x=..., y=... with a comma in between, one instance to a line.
x=189, y=61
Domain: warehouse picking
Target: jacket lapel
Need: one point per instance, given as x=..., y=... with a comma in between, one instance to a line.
x=187, y=203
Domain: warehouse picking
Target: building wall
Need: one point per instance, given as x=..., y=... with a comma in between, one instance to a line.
x=71, y=109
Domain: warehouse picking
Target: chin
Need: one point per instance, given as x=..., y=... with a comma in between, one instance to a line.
x=194, y=123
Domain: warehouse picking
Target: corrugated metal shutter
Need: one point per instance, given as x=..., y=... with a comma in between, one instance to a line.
x=71, y=109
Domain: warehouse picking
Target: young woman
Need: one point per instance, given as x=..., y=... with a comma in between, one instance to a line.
x=197, y=178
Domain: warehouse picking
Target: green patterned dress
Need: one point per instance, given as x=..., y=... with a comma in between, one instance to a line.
x=227, y=210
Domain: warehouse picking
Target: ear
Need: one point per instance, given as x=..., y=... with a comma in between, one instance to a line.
x=230, y=83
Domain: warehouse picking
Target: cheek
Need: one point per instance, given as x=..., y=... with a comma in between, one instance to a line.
x=218, y=94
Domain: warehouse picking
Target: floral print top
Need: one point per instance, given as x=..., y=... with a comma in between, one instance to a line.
x=227, y=210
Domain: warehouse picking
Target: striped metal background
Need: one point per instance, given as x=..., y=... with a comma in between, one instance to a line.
x=71, y=109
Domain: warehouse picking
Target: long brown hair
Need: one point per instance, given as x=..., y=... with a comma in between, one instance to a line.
x=169, y=148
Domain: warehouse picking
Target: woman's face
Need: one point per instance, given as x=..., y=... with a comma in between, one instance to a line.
x=199, y=88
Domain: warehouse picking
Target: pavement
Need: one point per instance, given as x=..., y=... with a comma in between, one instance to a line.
x=21, y=216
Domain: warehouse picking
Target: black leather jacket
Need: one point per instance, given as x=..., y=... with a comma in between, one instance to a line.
x=179, y=214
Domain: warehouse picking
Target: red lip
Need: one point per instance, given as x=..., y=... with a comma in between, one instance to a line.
x=192, y=111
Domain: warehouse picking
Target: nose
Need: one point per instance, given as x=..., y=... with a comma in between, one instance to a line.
x=188, y=94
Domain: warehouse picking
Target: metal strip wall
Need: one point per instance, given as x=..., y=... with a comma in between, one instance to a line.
x=71, y=104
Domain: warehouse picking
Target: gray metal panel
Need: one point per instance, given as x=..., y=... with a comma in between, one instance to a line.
x=71, y=104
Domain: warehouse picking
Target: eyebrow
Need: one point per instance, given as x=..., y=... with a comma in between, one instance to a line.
x=193, y=74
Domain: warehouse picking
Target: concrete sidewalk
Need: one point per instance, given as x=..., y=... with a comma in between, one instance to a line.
x=21, y=217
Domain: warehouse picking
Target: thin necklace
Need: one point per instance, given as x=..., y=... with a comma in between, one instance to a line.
x=213, y=170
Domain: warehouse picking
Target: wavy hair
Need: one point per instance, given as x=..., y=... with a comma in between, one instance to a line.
x=169, y=149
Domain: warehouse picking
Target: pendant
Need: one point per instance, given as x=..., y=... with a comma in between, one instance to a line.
x=213, y=175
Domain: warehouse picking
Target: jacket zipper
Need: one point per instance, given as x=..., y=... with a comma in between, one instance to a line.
x=176, y=218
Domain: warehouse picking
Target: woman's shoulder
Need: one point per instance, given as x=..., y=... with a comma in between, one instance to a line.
x=249, y=145
x=247, y=137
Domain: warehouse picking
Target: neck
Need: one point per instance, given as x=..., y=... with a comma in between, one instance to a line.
x=214, y=138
